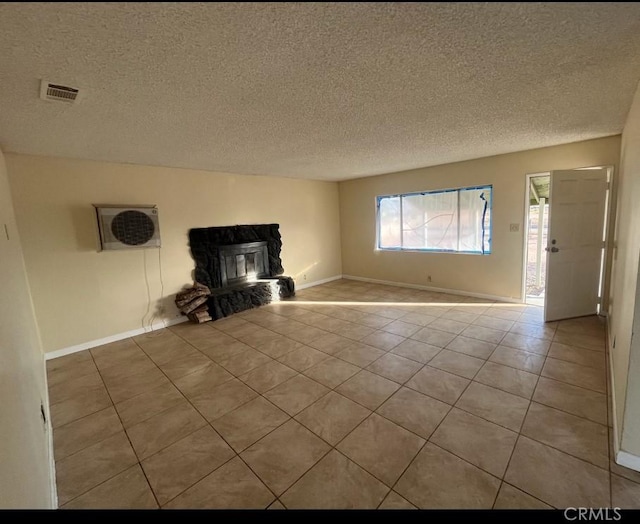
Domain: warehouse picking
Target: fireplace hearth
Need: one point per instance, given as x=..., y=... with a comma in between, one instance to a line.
x=241, y=266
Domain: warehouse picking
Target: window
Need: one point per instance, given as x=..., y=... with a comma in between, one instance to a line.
x=456, y=220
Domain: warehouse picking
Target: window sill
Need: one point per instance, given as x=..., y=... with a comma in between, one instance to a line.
x=439, y=251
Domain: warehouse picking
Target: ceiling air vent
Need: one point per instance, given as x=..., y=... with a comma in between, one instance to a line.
x=50, y=91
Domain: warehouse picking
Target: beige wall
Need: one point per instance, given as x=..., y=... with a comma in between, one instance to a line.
x=25, y=468
x=82, y=295
x=499, y=274
x=625, y=293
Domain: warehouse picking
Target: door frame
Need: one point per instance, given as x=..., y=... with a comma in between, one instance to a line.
x=605, y=270
x=525, y=231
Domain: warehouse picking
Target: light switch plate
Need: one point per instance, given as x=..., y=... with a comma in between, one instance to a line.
x=514, y=228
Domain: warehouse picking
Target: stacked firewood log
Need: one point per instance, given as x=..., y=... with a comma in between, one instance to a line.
x=192, y=302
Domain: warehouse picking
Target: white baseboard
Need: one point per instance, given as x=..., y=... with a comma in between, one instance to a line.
x=113, y=338
x=157, y=325
x=317, y=282
x=628, y=460
x=435, y=289
x=622, y=458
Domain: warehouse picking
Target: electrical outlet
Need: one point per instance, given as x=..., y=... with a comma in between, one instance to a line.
x=514, y=228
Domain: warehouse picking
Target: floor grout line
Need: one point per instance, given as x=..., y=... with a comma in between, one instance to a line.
x=428, y=440
x=265, y=322
x=138, y=462
x=472, y=380
x=236, y=454
x=524, y=419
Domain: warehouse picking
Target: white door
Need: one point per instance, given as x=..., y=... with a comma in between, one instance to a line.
x=576, y=243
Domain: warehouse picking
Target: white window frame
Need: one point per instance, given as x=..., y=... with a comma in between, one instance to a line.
x=488, y=187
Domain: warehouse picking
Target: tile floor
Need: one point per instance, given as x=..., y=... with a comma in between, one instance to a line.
x=352, y=395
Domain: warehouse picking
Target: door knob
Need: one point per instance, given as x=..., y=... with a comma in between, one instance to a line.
x=553, y=249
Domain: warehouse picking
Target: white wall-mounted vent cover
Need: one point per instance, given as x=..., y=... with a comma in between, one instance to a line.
x=127, y=227
x=62, y=93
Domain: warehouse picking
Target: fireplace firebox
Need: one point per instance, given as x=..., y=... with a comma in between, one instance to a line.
x=240, y=263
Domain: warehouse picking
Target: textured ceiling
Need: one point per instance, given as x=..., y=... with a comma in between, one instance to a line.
x=314, y=90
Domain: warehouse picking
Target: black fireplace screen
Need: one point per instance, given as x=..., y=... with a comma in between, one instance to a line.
x=243, y=262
